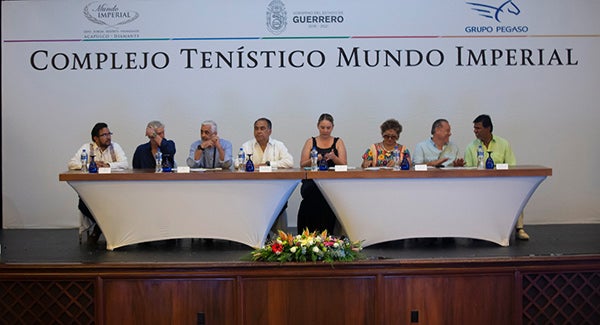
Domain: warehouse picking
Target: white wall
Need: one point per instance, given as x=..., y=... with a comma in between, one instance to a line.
x=548, y=112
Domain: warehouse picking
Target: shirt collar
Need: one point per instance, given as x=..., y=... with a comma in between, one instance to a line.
x=269, y=142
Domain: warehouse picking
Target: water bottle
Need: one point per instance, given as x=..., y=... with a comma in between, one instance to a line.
x=93, y=167
x=396, y=159
x=84, y=160
x=314, y=159
x=158, y=161
x=405, y=164
x=480, y=159
x=241, y=159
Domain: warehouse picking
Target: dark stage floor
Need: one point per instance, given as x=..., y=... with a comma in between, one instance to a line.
x=51, y=246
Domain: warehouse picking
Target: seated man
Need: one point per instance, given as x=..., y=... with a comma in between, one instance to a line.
x=107, y=154
x=500, y=150
x=267, y=151
x=438, y=150
x=144, y=156
x=210, y=151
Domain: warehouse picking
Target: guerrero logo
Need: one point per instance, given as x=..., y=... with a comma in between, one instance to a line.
x=276, y=17
x=496, y=11
x=108, y=15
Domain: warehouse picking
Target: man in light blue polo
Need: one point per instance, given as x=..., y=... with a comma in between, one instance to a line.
x=438, y=150
x=210, y=151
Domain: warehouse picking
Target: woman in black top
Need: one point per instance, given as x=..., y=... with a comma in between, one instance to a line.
x=314, y=212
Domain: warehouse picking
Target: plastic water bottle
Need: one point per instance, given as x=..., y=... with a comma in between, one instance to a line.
x=314, y=159
x=396, y=159
x=241, y=159
x=405, y=164
x=84, y=160
x=158, y=161
x=480, y=158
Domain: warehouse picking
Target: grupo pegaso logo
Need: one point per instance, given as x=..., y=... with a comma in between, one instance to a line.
x=276, y=17
x=109, y=15
x=497, y=11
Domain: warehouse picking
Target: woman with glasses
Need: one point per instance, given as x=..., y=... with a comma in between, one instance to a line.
x=381, y=154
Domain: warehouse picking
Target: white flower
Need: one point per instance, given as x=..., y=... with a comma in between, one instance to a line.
x=293, y=249
x=336, y=245
x=315, y=249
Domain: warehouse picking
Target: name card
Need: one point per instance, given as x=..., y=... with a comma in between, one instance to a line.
x=265, y=169
x=341, y=168
x=104, y=170
x=502, y=166
x=183, y=169
x=421, y=167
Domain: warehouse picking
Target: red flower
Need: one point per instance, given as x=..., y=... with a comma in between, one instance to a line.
x=277, y=248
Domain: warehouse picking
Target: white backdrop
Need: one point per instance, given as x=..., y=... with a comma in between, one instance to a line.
x=547, y=105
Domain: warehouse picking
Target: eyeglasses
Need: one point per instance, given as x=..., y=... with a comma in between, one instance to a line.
x=105, y=134
x=389, y=136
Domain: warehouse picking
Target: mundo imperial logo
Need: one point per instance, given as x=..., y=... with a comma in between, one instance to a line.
x=276, y=17
x=497, y=11
x=109, y=15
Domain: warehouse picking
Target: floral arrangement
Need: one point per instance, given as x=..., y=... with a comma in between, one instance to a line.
x=308, y=246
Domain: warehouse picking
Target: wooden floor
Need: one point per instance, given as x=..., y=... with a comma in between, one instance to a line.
x=42, y=246
x=47, y=276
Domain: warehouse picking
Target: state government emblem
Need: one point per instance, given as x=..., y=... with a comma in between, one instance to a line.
x=276, y=17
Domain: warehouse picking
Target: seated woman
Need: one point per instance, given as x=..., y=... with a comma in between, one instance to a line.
x=381, y=154
x=314, y=212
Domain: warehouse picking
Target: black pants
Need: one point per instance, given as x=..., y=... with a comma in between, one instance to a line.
x=314, y=212
x=84, y=209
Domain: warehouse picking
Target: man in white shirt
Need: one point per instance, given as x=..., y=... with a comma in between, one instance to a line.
x=265, y=150
x=106, y=154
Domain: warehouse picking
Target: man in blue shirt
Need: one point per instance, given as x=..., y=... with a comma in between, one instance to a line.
x=210, y=151
x=438, y=150
x=143, y=158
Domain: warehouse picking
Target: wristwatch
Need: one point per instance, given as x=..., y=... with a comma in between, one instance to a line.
x=200, y=147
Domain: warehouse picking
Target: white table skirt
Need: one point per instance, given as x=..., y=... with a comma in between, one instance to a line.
x=382, y=209
x=136, y=211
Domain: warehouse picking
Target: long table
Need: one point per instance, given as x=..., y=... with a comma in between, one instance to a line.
x=384, y=205
x=374, y=206
x=134, y=206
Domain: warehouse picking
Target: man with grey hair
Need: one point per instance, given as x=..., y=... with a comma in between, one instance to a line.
x=438, y=150
x=143, y=158
x=210, y=151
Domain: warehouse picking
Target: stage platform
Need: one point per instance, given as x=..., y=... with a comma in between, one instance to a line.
x=47, y=275
x=52, y=246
